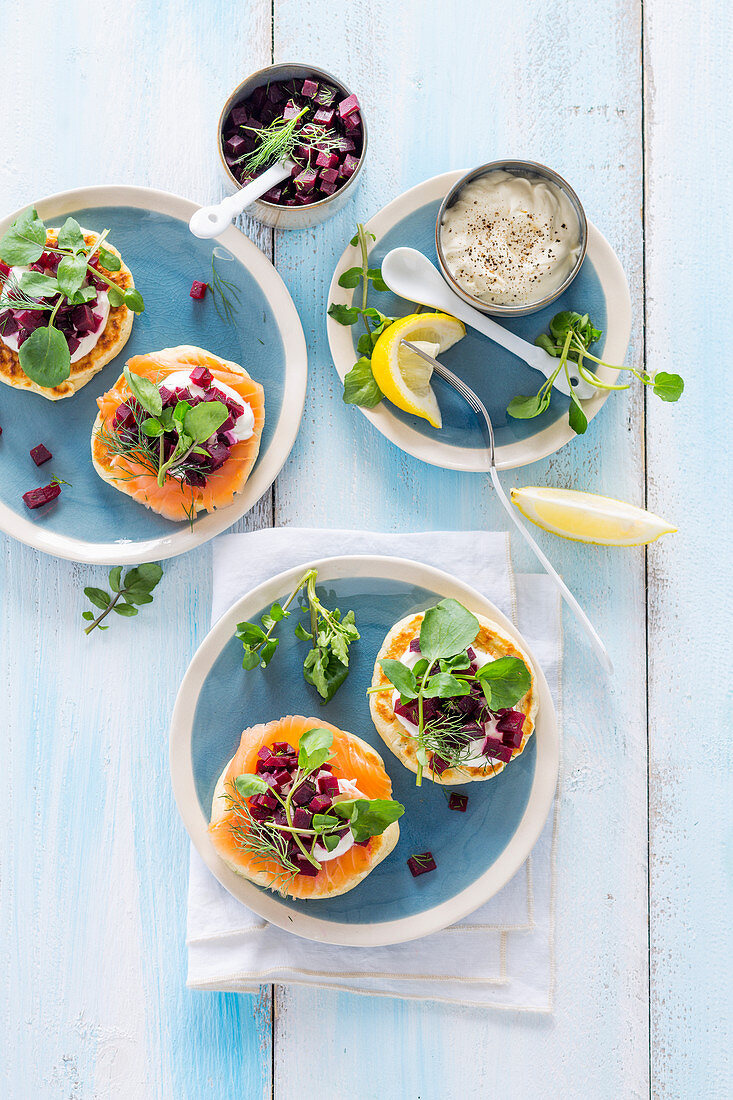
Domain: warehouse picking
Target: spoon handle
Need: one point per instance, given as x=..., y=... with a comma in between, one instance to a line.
x=590, y=631
x=211, y=221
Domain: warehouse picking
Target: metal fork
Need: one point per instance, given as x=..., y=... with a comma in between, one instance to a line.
x=488, y=432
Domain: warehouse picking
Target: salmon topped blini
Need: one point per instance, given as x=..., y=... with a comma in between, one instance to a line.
x=304, y=808
x=453, y=695
x=179, y=431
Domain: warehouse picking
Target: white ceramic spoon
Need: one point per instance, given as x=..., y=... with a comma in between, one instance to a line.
x=211, y=221
x=411, y=275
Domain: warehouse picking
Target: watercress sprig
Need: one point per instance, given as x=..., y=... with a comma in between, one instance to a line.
x=444, y=672
x=326, y=664
x=570, y=336
x=44, y=356
x=269, y=839
x=359, y=385
x=135, y=589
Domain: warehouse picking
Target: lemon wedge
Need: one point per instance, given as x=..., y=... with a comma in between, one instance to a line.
x=402, y=376
x=587, y=517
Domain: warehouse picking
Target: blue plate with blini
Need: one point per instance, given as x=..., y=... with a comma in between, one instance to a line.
x=91, y=521
x=599, y=289
x=476, y=852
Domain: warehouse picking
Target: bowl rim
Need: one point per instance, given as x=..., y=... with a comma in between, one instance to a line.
x=231, y=101
x=517, y=166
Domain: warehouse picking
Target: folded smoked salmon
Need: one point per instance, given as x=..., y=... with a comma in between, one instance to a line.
x=179, y=431
x=304, y=808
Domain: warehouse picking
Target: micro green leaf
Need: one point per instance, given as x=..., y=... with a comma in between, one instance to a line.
x=401, y=676
x=24, y=241
x=504, y=681
x=668, y=386
x=108, y=260
x=71, y=237
x=360, y=387
x=247, y=785
x=444, y=686
x=135, y=589
x=350, y=278
x=146, y=392
x=201, y=421
x=37, y=285
x=71, y=274
x=447, y=629
x=45, y=356
x=343, y=315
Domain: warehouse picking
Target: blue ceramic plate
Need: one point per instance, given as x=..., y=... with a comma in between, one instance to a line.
x=476, y=852
x=600, y=289
x=91, y=521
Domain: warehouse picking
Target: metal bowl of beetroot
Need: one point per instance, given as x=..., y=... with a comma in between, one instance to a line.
x=306, y=114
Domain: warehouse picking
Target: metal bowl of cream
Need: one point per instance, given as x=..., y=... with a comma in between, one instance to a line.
x=511, y=237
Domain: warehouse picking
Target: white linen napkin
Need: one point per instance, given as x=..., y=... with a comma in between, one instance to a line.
x=502, y=955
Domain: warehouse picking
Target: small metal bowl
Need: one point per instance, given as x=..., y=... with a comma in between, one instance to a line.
x=270, y=213
x=524, y=168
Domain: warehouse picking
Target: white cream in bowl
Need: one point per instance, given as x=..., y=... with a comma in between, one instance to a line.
x=510, y=240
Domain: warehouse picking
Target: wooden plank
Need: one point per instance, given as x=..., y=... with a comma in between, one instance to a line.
x=94, y=857
x=445, y=86
x=688, y=97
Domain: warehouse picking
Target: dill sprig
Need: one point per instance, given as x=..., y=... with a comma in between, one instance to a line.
x=444, y=737
x=12, y=296
x=226, y=294
x=260, y=840
x=279, y=141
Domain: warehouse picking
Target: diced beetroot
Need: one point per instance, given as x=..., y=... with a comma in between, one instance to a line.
x=275, y=93
x=259, y=813
x=458, y=802
x=319, y=804
x=326, y=95
x=83, y=319
x=513, y=738
x=40, y=454
x=467, y=704
x=438, y=764
x=35, y=498
x=219, y=453
x=328, y=784
x=352, y=126
x=281, y=778
x=73, y=342
x=327, y=188
x=124, y=417
x=422, y=863
x=4, y=269
x=510, y=722
x=235, y=146
x=201, y=376
x=273, y=195
x=415, y=645
x=30, y=319
x=347, y=145
x=328, y=176
x=291, y=111
x=279, y=817
x=302, y=819
x=306, y=180
x=324, y=116
x=283, y=746
x=351, y=163
x=326, y=160
x=239, y=116
x=309, y=89
x=407, y=710
x=473, y=729
x=265, y=753
x=228, y=438
x=258, y=96
x=303, y=793
x=8, y=323
x=496, y=750
x=305, y=867
x=348, y=106
x=198, y=290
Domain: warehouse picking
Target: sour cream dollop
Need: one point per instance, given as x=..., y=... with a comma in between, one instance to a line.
x=475, y=758
x=100, y=309
x=510, y=240
x=244, y=425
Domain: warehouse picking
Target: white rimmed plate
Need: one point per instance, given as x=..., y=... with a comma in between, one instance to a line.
x=477, y=852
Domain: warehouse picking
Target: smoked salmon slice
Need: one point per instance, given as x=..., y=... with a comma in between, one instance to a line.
x=176, y=499
x=351, y=760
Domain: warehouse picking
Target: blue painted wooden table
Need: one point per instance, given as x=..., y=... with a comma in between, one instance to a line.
x=628, y=103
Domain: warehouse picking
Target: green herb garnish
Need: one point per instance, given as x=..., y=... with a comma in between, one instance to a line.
x=326, y=664
x=44, y=356
x=135, y=589
x=569, y=338
x=359, y=385
x=270, y=840
x=444, y=672
x=282, y=140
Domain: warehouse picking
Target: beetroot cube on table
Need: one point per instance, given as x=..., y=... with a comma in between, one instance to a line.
x=309, y=89
x=35, y=498
x=421, y=863
x=40, y=454
x=348, y=106
x=198, y=290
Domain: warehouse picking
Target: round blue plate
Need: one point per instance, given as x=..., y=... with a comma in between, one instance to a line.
x=600, y=289
x=91, y=521
x=476, y=852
